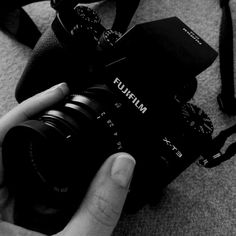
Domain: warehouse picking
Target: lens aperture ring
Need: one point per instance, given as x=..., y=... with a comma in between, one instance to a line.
x=106, y=121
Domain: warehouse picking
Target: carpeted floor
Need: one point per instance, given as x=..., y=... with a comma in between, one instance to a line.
x=200, y=201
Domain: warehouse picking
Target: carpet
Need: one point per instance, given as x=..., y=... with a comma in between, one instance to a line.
x=198, y=202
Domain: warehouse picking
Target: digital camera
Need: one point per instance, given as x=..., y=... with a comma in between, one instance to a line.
x=136, y=99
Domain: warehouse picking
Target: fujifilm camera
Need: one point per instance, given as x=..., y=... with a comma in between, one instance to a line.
x=130, y=93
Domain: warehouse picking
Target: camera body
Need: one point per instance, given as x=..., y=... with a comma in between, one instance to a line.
x=133, y=96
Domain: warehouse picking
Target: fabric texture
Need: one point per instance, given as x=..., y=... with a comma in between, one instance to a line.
x=200, y=201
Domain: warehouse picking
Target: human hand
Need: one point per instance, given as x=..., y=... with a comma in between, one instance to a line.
x=20, y=113
x=99, y=212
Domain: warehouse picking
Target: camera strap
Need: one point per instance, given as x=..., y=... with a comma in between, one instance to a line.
x=227, y=102
x=226, y=99
x=213, y=155
x=124, y=11
x=60, y=5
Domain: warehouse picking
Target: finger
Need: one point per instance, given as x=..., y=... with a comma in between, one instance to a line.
x=101, y=208
x=32, y=106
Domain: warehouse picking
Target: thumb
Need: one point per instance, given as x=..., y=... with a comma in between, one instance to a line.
x=102, y=206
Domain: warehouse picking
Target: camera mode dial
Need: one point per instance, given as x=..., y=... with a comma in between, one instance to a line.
x=196, y=120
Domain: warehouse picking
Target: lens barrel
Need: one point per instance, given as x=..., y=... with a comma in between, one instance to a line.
x=56, y=156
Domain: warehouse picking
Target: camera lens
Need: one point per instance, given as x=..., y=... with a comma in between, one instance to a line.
x=55, y=157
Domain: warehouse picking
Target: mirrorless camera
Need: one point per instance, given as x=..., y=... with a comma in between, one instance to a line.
x=134, y=96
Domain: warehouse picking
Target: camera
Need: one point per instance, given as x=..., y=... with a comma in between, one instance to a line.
x=136, y=98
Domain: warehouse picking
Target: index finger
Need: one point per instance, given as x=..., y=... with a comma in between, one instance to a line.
x=32, y=107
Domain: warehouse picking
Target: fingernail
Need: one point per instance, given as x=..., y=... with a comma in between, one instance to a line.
x=122, y=169
x=62, y=86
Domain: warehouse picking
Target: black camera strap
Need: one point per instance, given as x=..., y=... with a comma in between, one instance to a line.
x=213, y=156
x=226, y=99
x=124, y=11
x=60, y=5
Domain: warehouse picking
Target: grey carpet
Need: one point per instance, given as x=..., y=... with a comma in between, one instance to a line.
x=200, y=201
